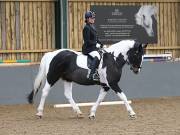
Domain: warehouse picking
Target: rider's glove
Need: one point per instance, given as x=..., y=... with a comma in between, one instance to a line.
x=101, y=45
x=98, y=45
x=104, y=46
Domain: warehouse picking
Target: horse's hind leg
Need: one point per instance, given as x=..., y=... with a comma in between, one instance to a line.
x=68, y=95
x=45, y=92
x=101, y=96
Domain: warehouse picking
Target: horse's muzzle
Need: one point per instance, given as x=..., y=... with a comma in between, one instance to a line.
x=136, y=70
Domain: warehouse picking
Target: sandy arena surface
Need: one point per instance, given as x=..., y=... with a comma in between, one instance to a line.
x=154, y=117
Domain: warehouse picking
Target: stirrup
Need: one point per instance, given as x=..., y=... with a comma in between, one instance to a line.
x=94, y=77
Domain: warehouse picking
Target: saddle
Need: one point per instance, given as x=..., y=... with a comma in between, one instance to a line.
x=84, y=61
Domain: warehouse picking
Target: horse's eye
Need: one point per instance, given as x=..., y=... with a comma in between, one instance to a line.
x=147, y=26
x=144, y=17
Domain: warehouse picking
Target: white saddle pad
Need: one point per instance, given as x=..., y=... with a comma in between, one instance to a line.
x=81, y=61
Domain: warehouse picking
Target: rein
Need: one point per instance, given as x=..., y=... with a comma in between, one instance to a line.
x=102, y=51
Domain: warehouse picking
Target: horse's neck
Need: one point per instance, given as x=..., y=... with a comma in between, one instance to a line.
x=114, y=64
x=120, y=48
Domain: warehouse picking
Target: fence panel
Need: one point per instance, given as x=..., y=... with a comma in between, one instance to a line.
x=27, y=29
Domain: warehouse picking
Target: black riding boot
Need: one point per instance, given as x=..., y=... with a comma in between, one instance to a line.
x=93, y=73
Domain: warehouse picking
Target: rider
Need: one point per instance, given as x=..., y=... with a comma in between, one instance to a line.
x=90, y=46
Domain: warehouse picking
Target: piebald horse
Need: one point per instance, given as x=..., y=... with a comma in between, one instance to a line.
x=71, y=66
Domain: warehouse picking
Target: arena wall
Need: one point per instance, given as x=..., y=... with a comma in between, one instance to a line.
x=156, y=79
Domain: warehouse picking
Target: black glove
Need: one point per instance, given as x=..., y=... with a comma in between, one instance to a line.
x=101, y=45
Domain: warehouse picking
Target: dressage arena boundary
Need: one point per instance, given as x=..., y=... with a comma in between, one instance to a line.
x=18, y=64
x=157, y=57
x=147, y=57
x=92, y=103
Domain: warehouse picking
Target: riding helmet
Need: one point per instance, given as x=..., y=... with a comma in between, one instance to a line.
x=89, y=14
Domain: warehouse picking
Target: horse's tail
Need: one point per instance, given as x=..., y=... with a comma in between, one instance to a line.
x=38, y=80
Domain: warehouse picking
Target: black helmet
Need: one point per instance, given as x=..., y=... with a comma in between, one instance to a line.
x=89, y=14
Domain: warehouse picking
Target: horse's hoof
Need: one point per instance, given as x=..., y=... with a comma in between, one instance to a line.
x=80, y=115
x=39, y=115
x=92, y=117
x=132, y=116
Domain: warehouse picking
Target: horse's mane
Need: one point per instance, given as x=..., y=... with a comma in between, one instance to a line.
x=120, y=47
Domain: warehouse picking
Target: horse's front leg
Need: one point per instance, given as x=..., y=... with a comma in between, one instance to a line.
x=123, y=97
x=101, y=96
x=68, y=95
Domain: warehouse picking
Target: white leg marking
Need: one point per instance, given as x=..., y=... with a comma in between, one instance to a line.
x=123, y=97
x=68, y=95
x=101, y=96
x=45, y=93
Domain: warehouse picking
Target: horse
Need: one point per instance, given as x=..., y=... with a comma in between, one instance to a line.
x=71, y=66
x=144, y=18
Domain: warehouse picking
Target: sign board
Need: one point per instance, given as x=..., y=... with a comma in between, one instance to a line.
x=115, y=23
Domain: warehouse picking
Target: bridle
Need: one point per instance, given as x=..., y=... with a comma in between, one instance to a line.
x=132, y=66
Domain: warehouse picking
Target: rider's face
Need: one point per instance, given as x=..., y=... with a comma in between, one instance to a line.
x=91, y=20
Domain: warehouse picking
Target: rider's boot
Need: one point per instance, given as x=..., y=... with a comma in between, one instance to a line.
x=93, y=73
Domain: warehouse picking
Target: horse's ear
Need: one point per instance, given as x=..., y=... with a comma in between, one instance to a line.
x=137, y=44
x=144, y=45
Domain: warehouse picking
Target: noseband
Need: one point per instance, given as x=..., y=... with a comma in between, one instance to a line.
x=131, y=65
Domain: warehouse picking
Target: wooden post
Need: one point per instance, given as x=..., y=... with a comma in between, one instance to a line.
x=31, y=30
x=44, y=30
x=13, y=29
x=58, y=18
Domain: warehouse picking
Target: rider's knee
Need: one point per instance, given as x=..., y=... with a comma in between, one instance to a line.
x=95, y=54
